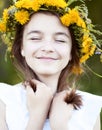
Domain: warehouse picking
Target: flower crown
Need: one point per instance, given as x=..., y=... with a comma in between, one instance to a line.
x=75, y=16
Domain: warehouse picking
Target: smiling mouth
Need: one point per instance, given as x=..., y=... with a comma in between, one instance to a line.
x=47, y=58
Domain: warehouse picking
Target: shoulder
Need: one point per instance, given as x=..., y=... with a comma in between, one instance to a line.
x=91, y=99
x=91, y=103
x=8, y=92
x=7, y=88
x=85, y=118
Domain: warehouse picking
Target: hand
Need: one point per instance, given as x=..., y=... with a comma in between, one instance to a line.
x=60, y=112
x=38, y=102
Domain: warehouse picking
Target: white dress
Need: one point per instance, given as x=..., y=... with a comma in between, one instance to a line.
x=17, y=114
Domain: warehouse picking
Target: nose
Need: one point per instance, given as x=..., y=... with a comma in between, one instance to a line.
x=47, y=47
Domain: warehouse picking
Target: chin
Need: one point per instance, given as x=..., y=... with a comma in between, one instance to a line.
x=47, y=72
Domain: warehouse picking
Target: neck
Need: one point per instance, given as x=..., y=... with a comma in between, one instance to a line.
x=50, y=81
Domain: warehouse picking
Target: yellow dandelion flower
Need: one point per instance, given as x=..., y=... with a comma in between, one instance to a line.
x=92, y=50
x=85, y=49
x=22, y=16
x=5, y=15
x=72, y=17
x=2, y=26
x=57, y=3
x=66, y=20
x=40, y=2
x=74, y=14
x=36, y=5
x=77, y=70
x=86, y=45
x=87, y=41
x=19, y=4
x=24, y=4
x=85, y=37
x=81, y=23
x=84, y=58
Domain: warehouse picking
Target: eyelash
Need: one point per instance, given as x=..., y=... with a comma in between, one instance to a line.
x=35, y=39
x=61, y=41
x=38, y=39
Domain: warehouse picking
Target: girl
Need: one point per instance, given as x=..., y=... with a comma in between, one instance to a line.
x=49, y=53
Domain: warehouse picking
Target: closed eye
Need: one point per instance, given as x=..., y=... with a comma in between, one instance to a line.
x=34, y=39
x=61, y=41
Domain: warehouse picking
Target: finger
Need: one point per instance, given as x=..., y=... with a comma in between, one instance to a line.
x=70, y=108
x=29, y=89
x=36, y=82
x=39, y=84
x=41, y=87
x=62, y=94
x=32, y=84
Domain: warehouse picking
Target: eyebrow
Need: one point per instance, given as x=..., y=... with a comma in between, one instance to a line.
x=62, y=33
x=34, y=31
x=56, y=33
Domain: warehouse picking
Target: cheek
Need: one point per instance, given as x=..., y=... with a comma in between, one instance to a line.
x=29, y=49
x=65, y=52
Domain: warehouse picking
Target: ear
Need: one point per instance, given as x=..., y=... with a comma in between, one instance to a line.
x=22, y=52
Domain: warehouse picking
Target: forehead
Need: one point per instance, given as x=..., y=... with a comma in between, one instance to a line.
x=45, y=22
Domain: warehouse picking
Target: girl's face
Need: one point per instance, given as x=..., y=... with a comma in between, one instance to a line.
x=46, y=44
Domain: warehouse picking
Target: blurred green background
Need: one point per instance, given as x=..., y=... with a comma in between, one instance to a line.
x=89, y=82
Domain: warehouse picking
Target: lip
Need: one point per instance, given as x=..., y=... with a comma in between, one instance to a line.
x=47, y=58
